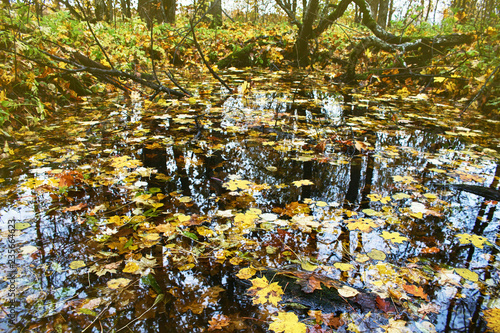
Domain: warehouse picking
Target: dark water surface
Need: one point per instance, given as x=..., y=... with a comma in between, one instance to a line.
x=176, y=197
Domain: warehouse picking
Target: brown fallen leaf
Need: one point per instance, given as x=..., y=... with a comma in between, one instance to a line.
x=75, y=208
x=416, y=291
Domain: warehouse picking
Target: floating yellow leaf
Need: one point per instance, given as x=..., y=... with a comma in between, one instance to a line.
x=117, y=283
x=395, y=326
x=418, y=215
x=167, y=229
x=264, y=292
x=394, y=237
x=116, y=220
x=287, y=322
x=185, y=267
x=492, y=317
x=22, y=225
x=343, y=266
x=185, y=199
x=131, y=267
x=150, y=237
x=77, y=264
x=308, y=266
x=431, y=196
x=237, y=184
x=28, y=249
x=371, y=212
x=183, y=218
x=376, y=254
x=467, y=274
x=204, y=231
x=302, y=182
x=377, y=197
x=347, y=291
x=362, y=224
x=477, y=241
x=404, y=179
x=246, y=273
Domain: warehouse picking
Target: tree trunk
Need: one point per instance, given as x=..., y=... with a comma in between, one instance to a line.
x=169, y=8
x=125, y=7
x=374, y=8
x=302, y=44
x=100, y=10
x=216, y=11
x=150, y=11
x=383, y=11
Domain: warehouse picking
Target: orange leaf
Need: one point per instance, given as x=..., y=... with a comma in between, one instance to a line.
x=427, y=250
x=416, y=291
x=218, y=322
x=80, y=206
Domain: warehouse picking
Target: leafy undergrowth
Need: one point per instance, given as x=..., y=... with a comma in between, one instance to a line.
x=283, y=208
x=35, y=86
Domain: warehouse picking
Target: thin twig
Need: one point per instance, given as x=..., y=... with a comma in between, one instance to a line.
x=93, y=34
x=480, y=90
x=198, y=47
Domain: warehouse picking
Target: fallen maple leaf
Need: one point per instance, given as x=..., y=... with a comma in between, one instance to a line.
x=477, y=241
x=265, y=292
x=492, y=317
x=362, y=224
x=416, y=291
x=395, y=326
x=428, y=308
x=287, y=322
x=218, y=322
x=429, y=250
x=385, y=305
x=394, y=237
x=80, y=206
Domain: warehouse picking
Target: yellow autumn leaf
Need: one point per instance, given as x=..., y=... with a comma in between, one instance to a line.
x=376, y=254
x=264, y=292
x=118, y=283
x=116, y=220
x=418, y=215
x=131, y=267
x=403, y=179
x=151, y=237
x=185, y=199
x=167, y=229
x=237, y=184
x=394, y=237
x=299, y=183
x=401, y=196
x=77, y=264
x=307, y=266
x=362, y=224
x=492, y=317
x=347, y=291
x=204, y=231
x=477, y=241
x=287, y=322
x=377, y=197
x=21, y=225
x=395, y=326
x=183, y=218
x=246, y=273
x=28, y=249
x=343, y=266
x=185, y=267
x=467, y=274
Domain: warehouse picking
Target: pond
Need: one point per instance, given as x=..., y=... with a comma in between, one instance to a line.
x=294, y=201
